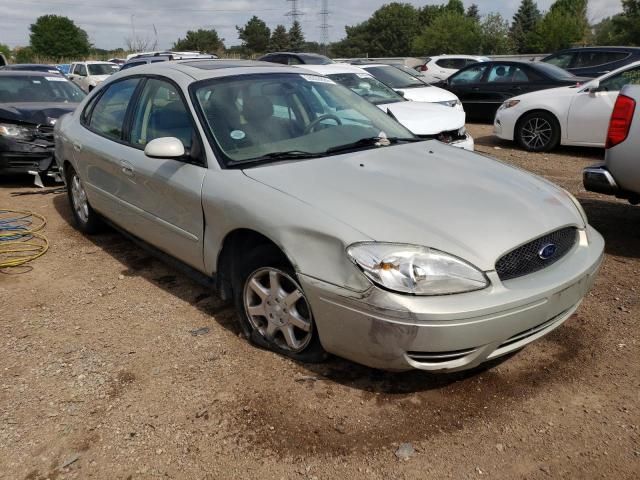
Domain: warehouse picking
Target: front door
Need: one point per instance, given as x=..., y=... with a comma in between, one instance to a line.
x=468, y=85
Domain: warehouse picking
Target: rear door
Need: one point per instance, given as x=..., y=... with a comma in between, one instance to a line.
x=506, y=80
x=164, y=195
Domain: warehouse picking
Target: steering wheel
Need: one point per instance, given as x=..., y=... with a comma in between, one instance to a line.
x=309, y=128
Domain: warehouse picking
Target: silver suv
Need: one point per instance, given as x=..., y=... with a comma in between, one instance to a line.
x=330, y=225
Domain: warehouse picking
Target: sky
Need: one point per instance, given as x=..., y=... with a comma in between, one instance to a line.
x=109, y=22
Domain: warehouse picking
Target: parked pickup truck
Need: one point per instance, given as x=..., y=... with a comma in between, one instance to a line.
x=619, y=175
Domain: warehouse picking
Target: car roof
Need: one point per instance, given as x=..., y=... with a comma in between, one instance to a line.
x=95, y=62
x=603, y=47
x=201, y=69
x=333, y=68
x=24, y=65
x=457, y=56
x=302, y=54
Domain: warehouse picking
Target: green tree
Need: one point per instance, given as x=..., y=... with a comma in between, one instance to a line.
x=455, y=6
x=255, y=35
x=450, y=32
x=355, y=44
x=296, y=37
x=604, y=32
x=473, y=12
x=495, y=35
x=626, y=26
x=557, y=30
x=201, y=40
x=54, y=36
x=279, y=41
x=24, y=55
x=5, y=50
x=427, y=13
x=524, y=24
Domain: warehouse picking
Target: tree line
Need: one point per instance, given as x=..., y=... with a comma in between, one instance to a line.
x=394, y=30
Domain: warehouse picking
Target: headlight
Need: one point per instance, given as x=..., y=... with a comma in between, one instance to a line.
x=462, y=132
x=18, y=132
x=509, y=104
x=416, y=270
x=450, y=103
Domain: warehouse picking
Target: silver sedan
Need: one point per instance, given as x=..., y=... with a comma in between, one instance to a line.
x=331, y=226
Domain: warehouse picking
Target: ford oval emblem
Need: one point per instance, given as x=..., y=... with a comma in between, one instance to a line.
x=547, y=251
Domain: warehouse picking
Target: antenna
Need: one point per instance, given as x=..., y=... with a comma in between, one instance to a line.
x=324, y=25
x=295, y=13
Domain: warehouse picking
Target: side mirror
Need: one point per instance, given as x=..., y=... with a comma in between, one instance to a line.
x=400, y=92
x=593, y=87
x=165, y=147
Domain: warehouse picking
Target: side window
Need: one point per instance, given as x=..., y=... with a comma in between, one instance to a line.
x=293, y=60
x=470, y=75
x=616, y=82
x=592, y=58
x=562, y=60
x=81, y=70
x=507, y=74
x=161, y=113
x=108, y=114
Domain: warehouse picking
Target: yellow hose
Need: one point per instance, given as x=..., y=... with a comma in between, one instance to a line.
x=22, y=249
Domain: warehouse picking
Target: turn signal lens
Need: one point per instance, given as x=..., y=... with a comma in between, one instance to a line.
x=621, y=119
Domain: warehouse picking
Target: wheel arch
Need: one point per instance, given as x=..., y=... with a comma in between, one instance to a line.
x=539, y=110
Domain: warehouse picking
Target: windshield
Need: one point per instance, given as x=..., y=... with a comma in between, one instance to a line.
x=316, y=59
x=394, y=78
x=253, y=116
x=102, y=68
x=367, y=87
x=37, y=89
x=554, y=71
x=411, y=72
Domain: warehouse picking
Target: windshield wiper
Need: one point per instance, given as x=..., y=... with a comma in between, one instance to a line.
x=275, y=156
x=371, y=142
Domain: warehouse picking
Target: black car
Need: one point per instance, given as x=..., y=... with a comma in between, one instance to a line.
x=157, y=57
x=288, y=58
x=593, y=61
x=30, y=104
x=32, y=67
x=3, y=60
x=483, y=87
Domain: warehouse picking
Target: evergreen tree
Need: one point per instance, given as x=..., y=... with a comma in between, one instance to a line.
x=279, y=41
x=473, y=12
x=201, y=40
x=524, y=23
x=296, y=37
x=255, y=36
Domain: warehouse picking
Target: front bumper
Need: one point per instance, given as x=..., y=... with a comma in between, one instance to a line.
x=466, y=144
x=504, y=124
x=448, y=333
x=21, y=156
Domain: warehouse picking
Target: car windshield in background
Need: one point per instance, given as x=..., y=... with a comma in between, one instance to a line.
x=277, y=116
x=395, y=78
x=555, y=72
x=316, y=60
x=37, y=89
x=410, y=71
x=367, y=87
x=102, y=68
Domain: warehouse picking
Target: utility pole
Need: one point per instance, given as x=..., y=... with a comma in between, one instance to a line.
x=295, y=13
x=324, y=25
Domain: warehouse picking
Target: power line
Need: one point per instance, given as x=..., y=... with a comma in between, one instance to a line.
x=295, y=13
x=324, y=25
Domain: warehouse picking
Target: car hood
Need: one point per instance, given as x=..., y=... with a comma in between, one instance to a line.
x=427, y=94
x=423, y=118
x=558, y=92
x=428, y=194
x=44, y=113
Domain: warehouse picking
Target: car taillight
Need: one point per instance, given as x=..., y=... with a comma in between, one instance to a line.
x=620, y=122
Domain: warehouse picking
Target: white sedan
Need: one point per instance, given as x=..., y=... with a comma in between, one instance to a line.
x=426, y=120
x=576, y=115
x=411, y=87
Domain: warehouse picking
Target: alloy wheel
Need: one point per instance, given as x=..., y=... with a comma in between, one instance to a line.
x=79, y=199
x=278, y=309
x=536, y=133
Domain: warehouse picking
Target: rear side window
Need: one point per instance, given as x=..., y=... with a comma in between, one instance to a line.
x=592, y=58
x=453, y=63
x=507, y=74
x=470, y=75
x=107, y=116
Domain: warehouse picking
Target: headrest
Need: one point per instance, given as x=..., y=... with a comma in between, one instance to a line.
x=256, y=109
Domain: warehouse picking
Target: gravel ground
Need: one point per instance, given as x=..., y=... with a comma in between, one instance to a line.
x=114, y=366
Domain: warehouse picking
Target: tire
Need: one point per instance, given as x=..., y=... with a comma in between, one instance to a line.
x=85, y=218
x=274, y=320
x=538, y=132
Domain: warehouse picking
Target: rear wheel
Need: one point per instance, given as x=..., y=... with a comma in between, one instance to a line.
x=538, y=132
x=274, y=311
x=86, y=219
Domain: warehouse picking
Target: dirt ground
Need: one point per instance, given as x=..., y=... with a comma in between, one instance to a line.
x=105, y=374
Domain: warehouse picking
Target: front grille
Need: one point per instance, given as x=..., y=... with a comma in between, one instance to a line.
x=448, y=136
x=527, y=258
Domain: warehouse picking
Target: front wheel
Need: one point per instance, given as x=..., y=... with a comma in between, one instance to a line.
x=538, y=132
x=274, y=311
x=86, y=219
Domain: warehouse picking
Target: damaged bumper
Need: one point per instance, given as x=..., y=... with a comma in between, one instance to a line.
x=448, y=333
x=21, y=155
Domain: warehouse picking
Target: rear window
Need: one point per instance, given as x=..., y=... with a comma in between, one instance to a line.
x=554, y=72
x=453, y=63
x=592, y=58
x=132, y=64
x=34, y=89
x=394, y=78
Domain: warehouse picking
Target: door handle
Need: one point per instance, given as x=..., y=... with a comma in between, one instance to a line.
x=77, y=147
x=127, y=168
